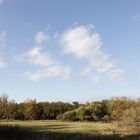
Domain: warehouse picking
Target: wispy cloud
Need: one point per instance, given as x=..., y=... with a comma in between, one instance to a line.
x=49, y=72
x=36, y=56
x=2, y=44
x=2, y=39
x=2, y=63
x=95, y=79
x=41, y=37
x=48, y=66
x=84, y=43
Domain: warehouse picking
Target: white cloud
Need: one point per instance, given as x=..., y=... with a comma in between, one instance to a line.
x=41, y=37
x=37, y=57
x=2, y=39
x=86, y=44
x=49, y=72
x=2, y=44
x=2, y=63
x=95, y=79
x=49, y=67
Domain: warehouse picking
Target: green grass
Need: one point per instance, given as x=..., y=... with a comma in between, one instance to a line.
x=67, y=127
x=58, y=130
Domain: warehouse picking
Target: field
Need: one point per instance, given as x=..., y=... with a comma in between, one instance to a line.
x=56, y=130
x=59, y=130
x=67, y=127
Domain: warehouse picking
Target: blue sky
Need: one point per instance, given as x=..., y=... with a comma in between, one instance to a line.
x=69, y=50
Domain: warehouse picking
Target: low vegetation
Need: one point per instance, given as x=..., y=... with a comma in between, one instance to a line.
x=66, y=127
x=122, y=110
x=101, y=120
x=60, y=130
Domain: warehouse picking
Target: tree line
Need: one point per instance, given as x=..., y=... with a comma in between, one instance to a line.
x=121, y=109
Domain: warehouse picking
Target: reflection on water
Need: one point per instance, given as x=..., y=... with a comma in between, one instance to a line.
x=66, y=137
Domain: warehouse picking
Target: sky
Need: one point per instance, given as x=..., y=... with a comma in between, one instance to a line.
x=77, y=50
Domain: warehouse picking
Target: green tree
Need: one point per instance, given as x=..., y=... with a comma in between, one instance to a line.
x=81, y=113
x=70, y=116
x=30, y=109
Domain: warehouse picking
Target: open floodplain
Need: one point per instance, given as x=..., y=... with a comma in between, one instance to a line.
x=59, y=130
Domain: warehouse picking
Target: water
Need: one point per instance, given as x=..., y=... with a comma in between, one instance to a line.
x=52, y=136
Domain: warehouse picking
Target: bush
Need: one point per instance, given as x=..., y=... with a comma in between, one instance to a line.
x=131, y=117
x=70, y=115
x=106, y=118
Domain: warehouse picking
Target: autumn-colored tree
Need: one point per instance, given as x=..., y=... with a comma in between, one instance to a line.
x=30, y=109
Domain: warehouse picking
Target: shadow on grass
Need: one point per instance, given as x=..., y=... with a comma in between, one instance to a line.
x=9, y=132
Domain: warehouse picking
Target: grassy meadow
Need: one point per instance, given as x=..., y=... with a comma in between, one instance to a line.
x=67, y=127
x=56, y=130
